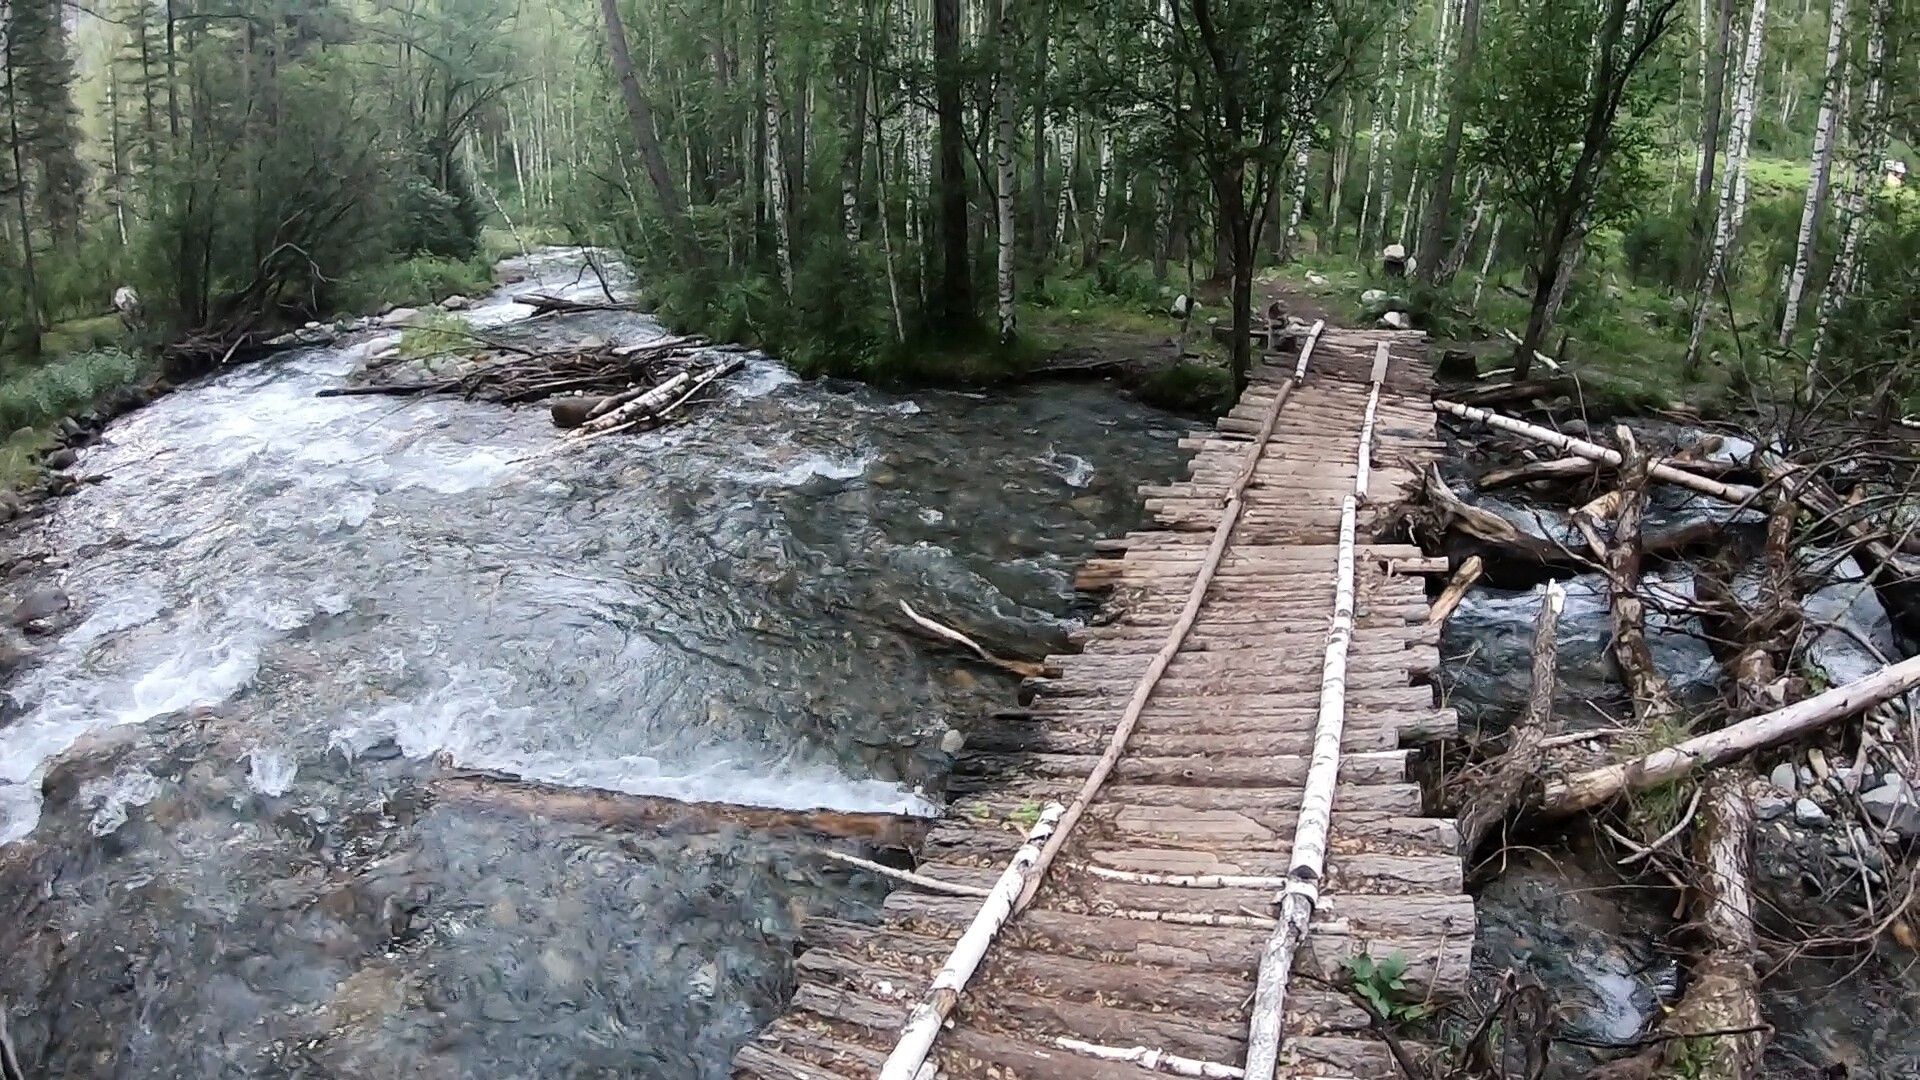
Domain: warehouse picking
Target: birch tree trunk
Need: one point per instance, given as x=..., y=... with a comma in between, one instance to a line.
x=1002, y=21
x=776, y=169
x=1486, y=263
x=1822, y=172
x=1042, y=218
x=1394, y=124
x=1292, y=232
x=646, y=140
x=1434, y=233
x=886, y=207
x=1713, y=97
x=1373, y=178
x=1862, y=187
x=1733, y=186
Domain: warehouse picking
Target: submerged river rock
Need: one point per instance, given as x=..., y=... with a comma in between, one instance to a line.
x=222, y=856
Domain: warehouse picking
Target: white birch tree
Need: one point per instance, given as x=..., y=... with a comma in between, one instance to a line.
x=1817, y=184
x=1733, y=184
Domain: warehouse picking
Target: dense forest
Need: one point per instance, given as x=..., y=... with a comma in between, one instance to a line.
x=1707, y=194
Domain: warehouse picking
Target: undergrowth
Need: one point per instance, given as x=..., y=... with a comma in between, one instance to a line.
x=33, y=396
x=414, y=282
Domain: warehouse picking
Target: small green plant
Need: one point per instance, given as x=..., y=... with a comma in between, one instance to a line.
x=1027, y=815
x=439, y=335
x=1384, y=986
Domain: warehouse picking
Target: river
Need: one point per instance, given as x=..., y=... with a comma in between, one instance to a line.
x=284, y=607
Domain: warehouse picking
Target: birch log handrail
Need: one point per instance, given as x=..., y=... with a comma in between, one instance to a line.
x=1737, y=494
x=923, y=1024
x=1308, y=861
x=1590, y=789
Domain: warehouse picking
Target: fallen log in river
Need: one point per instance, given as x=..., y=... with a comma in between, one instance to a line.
x=616, y=809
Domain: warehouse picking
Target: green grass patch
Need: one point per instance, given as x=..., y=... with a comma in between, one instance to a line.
x=38, y=395
x=415, y=282
x=83, y=335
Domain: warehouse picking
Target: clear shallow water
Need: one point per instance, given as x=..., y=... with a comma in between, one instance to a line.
x=284, y=608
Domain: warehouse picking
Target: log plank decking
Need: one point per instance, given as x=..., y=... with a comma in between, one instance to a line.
x=1146, y=933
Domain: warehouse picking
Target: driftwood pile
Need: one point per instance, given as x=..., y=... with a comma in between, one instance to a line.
x=1539, y=775
x=594, y=388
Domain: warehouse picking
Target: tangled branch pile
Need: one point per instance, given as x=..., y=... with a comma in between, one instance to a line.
x=1761, y=629
x=596, y=388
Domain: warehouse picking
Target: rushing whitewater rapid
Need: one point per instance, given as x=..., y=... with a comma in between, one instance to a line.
x=221, y=857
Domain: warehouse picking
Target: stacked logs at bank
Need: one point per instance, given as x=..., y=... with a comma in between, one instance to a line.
x=592, y=388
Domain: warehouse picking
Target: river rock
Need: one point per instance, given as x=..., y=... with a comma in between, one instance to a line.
x=571, y=412
x=952, y=742
x=1808, y=814
x=40, y=604
x=1771, y=807
x=1396, y=320
x=1893, y=806
x=405, y=316
x=63, y=458
x=1850, y=602
x=1373, y=296
x=456, y=302
x=1316, y=280
x=1784, y=777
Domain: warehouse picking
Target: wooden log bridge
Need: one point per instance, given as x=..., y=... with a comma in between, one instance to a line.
x=1164, y=893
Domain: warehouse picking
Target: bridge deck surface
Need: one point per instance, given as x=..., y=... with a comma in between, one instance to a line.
x=1211, y=783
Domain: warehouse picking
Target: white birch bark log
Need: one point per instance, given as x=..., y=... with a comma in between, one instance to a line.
x=1590, y=789
x=1732, y=493
x=776, y=174
x=1486, y=262
x=924, y=1023
x=1152, y=1060
x=1307, y=865
x=1003, y=170
x=1822, y=172
x=1373, y=177
x=1733, y=183
x=1864, y=185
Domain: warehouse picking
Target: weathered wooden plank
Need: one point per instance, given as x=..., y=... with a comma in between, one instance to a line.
x=1254, y=770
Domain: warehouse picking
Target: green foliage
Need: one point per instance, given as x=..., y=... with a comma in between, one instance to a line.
x=38, y=395
x=1383, y=983
x=1876, y=336
x=1655, y=247
x=440, y=334
x=430, y=221
x=414, y=282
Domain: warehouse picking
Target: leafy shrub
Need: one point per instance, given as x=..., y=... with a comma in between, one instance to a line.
x=415, y=282
x=430, y=221
x=38, y=395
